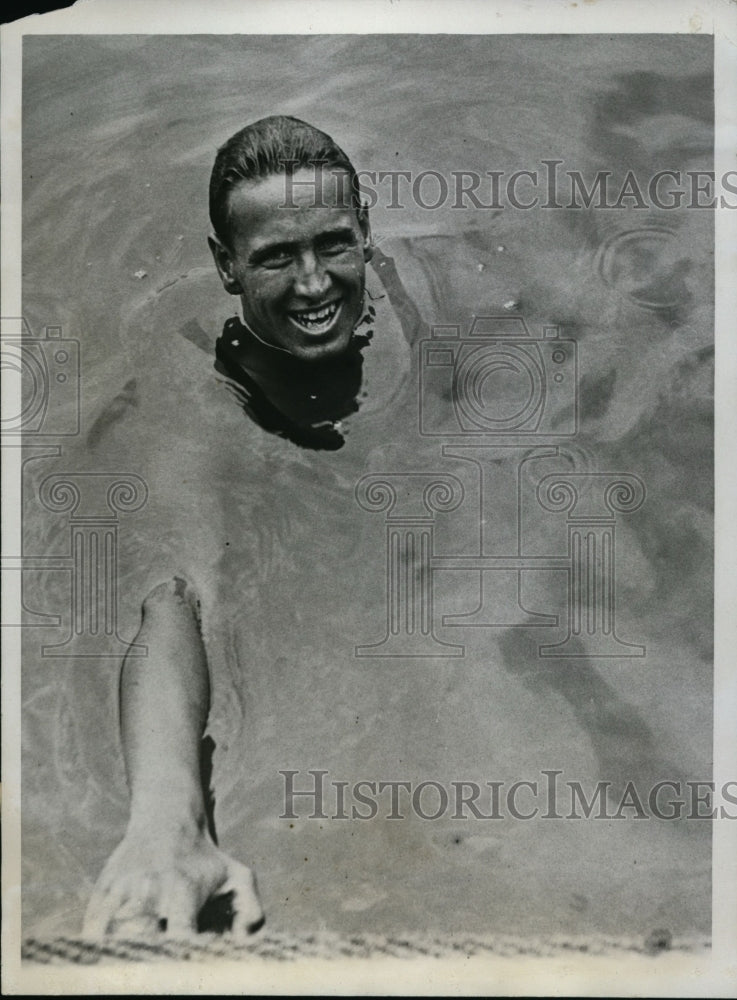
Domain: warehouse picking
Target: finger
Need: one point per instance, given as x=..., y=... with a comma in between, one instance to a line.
x=178, y=909
x=137, y=914
x=101, y=910
x=248, y=914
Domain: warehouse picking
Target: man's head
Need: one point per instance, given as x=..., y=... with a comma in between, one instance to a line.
x=290, y=236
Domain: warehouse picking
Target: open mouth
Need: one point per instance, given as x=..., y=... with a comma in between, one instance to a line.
x=316, y=321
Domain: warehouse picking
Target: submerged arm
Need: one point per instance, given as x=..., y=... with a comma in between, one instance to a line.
x=167, y=866
x=164, y=703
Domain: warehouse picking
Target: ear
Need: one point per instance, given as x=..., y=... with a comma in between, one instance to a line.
x=224, y=264
x=365, y=226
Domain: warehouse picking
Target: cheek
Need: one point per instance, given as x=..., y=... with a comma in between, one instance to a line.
x=352, y=273
x=267, y=293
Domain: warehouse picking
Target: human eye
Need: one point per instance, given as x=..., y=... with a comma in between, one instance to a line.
x=337, y=243
x=274, y=258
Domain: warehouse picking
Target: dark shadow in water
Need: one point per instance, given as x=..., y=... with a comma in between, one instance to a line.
x=207, y=749
x=621, y=739
x=304, y=402
x=595, y=393
x=115, y=410
x=216, y=916
x=643, y=122
x=410, y=319
x=642, y=95
x=193, y=332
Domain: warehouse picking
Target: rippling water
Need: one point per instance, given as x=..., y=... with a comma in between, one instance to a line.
x=119, y=137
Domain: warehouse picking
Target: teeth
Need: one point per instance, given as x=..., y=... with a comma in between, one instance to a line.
x=316, y=317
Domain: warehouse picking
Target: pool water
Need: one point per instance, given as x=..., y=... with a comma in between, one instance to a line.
x=290, y=547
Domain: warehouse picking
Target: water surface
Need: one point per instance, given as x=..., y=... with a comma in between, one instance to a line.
x=119, y=137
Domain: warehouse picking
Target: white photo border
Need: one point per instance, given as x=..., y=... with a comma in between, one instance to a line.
x=680, y=975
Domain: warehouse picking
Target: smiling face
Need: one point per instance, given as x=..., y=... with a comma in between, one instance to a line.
x=299, y=270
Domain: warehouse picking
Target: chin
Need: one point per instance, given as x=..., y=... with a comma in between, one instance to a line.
x=332, y=348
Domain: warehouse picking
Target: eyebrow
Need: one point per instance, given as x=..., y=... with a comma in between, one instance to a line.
x=280, y=246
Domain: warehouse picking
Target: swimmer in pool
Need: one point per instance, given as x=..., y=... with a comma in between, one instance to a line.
x=295, y=253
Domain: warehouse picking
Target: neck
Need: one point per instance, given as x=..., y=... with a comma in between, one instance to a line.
x=303, y=400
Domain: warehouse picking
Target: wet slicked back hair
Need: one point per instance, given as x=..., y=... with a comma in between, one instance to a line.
x=279, y=144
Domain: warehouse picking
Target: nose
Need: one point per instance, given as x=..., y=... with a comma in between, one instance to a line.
x=312, y=280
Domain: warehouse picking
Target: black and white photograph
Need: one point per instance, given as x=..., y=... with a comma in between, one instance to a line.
x=360, y=560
